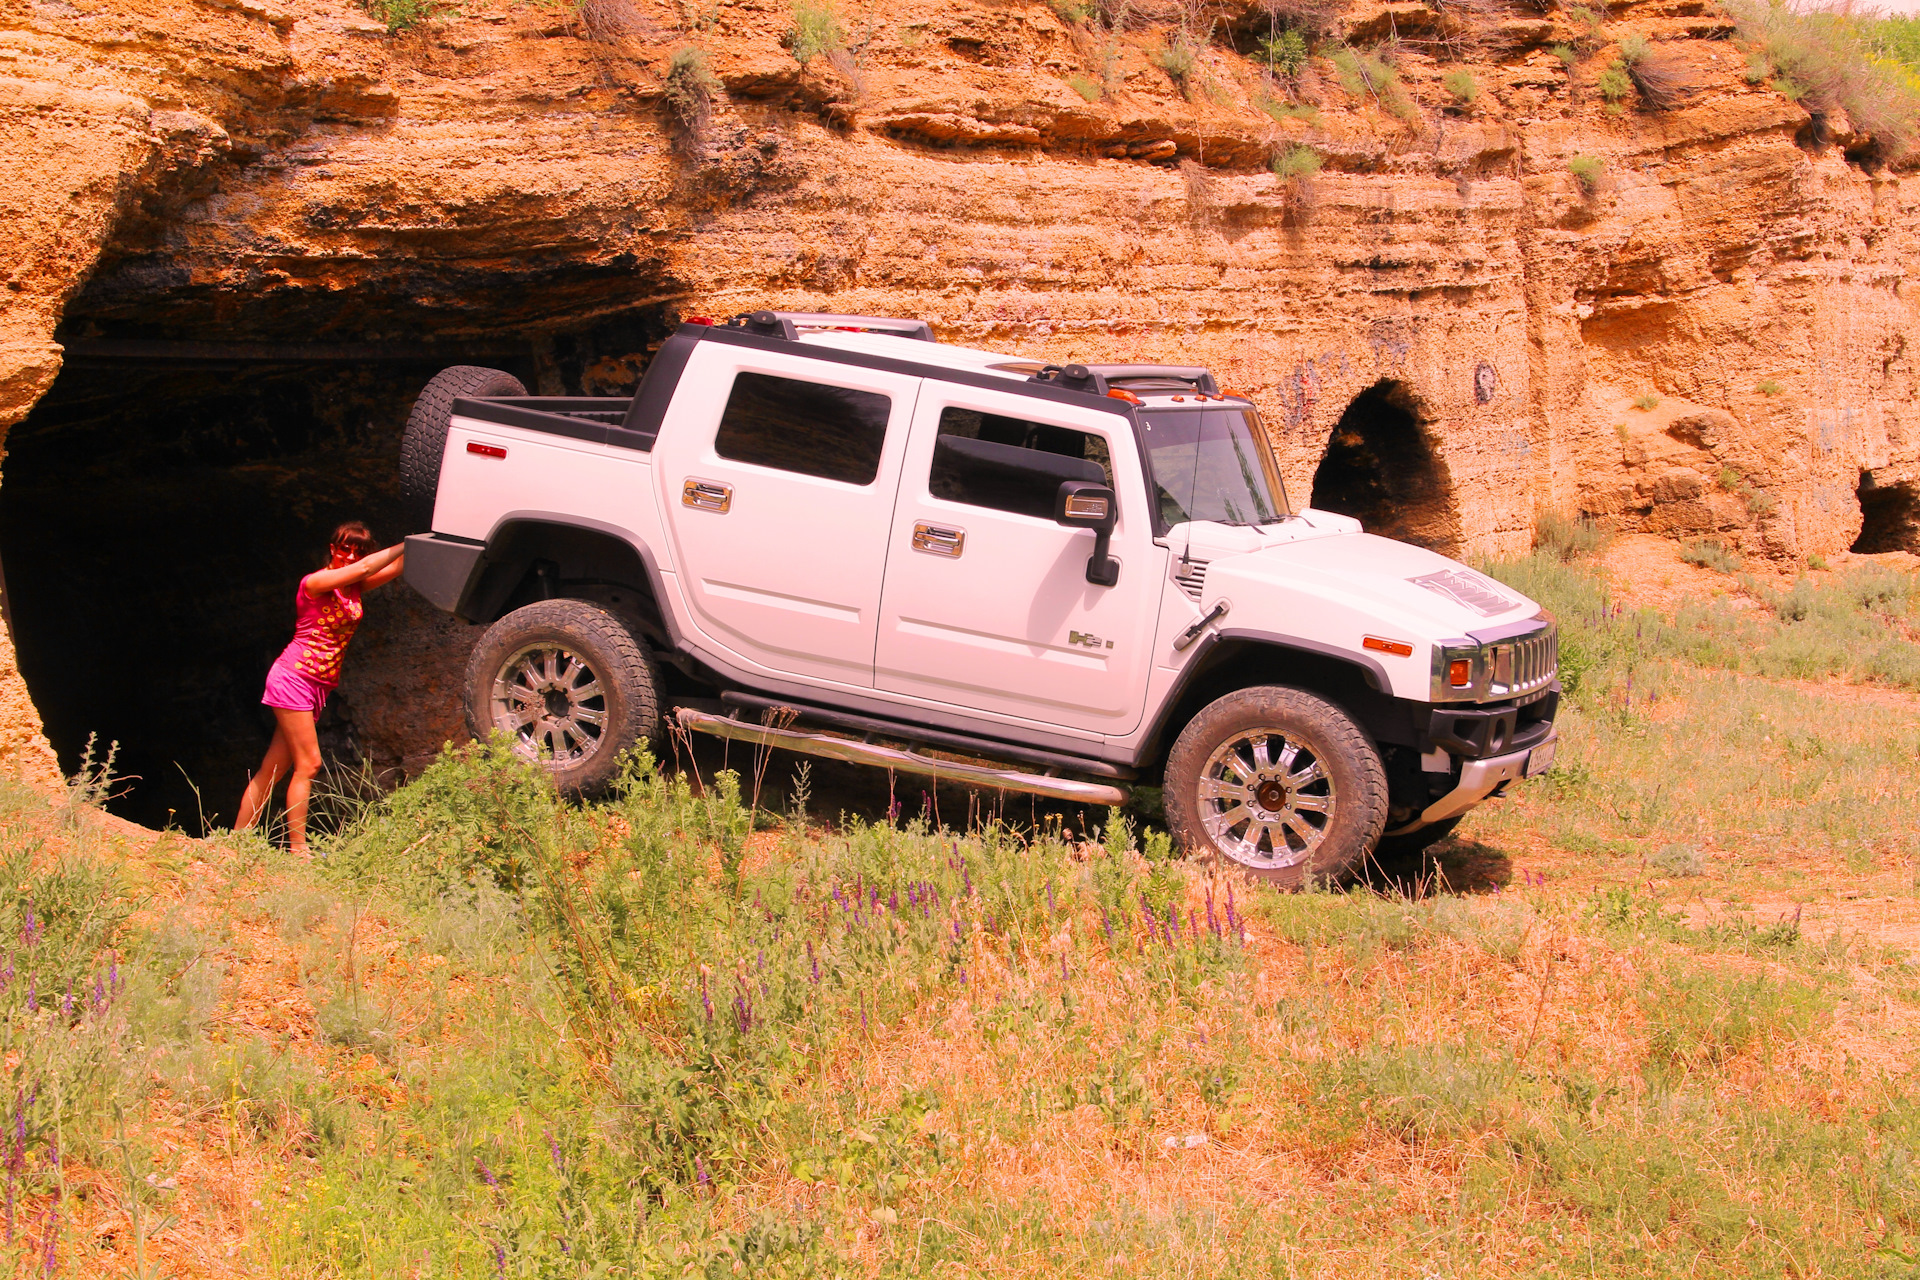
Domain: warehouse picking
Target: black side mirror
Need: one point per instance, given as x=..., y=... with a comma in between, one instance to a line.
x=1083, y=504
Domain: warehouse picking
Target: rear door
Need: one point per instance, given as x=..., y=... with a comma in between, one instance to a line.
x=987, y=606
x=779, y=475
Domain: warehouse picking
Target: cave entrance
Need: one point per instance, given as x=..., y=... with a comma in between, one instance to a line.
x=1889, y=516
x=1380, y=467
x=163, y=499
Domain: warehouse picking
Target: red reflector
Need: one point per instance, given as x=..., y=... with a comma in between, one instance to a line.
x=486, y=450
x=699, y=320
x=1399, y=648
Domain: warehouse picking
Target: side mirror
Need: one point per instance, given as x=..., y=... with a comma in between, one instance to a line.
x=1083, y=504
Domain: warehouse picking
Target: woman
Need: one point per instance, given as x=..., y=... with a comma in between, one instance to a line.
x=325, y=615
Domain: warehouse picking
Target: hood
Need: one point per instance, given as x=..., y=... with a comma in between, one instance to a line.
x=1393, y=587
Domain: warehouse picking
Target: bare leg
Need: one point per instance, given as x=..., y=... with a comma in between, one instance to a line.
x=273, y=767
x=297, y=727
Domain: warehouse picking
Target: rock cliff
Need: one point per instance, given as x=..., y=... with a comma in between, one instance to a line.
x=250, y=229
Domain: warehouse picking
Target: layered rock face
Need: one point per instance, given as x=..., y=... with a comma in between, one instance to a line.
x=1699, y=327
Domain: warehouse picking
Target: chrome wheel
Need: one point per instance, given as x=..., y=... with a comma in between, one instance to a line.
x=552, y=703
x=1265, y=799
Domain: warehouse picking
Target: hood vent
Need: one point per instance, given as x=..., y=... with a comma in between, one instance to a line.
x=1192, y=577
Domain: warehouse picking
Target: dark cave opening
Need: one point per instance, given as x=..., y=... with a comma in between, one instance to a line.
x=1380, y=468
x=160, y=504
x=1889, y=516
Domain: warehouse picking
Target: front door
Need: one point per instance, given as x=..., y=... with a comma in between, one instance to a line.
x=779, y=474
x=987, y=606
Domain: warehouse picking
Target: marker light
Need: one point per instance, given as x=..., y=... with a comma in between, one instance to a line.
x=1121, y=393
x=486, y=450
x=1460, y=673
x=1090, y=507
x=1399, y=648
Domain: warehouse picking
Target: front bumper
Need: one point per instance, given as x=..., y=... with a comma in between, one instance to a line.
x=1479, y=779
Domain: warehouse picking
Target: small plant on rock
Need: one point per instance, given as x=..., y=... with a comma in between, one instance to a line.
x=1178, y=58
x=1712, y=555
x=1296, y=162
x=1660, y=77
x=1086, y=86
x=690, y=90
x=1614, y=84
x=1567, y=54
x=1461, y=85
x=816, y=31
x=1285, y=53
x=1769, y=387
x=1646, y=403
x=401, y=14
x=1587, y=171
x=1071, y=12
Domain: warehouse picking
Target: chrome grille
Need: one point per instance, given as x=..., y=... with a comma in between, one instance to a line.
x=1192, y=577
x=1525, y=664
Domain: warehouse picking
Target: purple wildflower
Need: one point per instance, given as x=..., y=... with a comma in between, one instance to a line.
x=700, y=1171
x=742, y=1012
x=1050, y=908
x=1231, y=921
x=486, y=1174
x=499, y=1258
x=1106, y=923
x=66, y=1007
x=963, y=975
x=51, y=1260
x=1063, y=967
x=1213, y=925
x=893, y=903
x=33, y=996
x=814, y=961
x=99, y=996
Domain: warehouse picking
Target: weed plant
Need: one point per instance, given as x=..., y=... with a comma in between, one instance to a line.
x=816, y=31
x=1587, y=171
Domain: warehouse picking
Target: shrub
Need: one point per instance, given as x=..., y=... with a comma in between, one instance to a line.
x=1177, y=57
x=1461, y=85
x=816, y=31
x=1614, y=84
x=401, y=14
x=690, y=90
x=1567, y=54
x=1679, y=860
x=1769, y=387
x=1646, y=403
x=1570, y=537
x=1086, y=87
x=1071, y=12
x=1832, y=61
x=1285, y=54
x=1587, y=171
x=1709, y=554
x=1660, y=77
x=1289, y=110
x=1364, y=75
x=1297, y=161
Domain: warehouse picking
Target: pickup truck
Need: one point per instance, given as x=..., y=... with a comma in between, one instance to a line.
x=837, y=536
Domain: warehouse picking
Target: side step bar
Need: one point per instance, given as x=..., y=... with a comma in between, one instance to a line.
x=977, y=775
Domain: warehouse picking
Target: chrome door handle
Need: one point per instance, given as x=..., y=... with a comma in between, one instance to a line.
x=706, y=495
x=938, y=541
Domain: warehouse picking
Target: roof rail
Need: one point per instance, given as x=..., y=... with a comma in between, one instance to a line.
x=789, y=324
x=1100, y=378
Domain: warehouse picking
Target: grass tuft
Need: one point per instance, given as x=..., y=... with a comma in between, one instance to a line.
x=1587, y=171
x=1296, y=161
x=1461, y=84
x=816, y=31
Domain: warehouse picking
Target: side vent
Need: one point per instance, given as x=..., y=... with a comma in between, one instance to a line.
x=1192, y=577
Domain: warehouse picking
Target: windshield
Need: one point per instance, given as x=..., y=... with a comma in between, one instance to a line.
x=1213, y=464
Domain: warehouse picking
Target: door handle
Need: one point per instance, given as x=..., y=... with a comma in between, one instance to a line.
x=938, y=541
x=706, y=495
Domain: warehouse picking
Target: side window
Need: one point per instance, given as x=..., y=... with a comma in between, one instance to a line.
x=831, y=432
x=1011, y=464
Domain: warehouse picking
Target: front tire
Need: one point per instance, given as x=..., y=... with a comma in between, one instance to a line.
x=570, y=685
x=1279, y=783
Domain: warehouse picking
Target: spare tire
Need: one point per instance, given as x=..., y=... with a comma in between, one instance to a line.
x=425, y=438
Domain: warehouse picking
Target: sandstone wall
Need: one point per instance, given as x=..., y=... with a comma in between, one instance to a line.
x=252, y=171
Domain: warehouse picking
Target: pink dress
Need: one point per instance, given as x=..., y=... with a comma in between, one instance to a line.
x=309, y=668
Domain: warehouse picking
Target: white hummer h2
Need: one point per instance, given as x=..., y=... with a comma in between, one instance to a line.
x=850, y=540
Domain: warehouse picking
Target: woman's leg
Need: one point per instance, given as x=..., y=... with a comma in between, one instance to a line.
x=297, y=727
x=273, y=767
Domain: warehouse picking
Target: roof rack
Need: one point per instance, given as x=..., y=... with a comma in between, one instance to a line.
x=789, y=324
x=1100, y=378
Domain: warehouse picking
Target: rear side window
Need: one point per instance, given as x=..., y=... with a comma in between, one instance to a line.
x=1011, y=464
x=806, y=427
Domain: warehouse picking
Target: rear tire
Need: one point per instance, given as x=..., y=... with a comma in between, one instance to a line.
x=570, y=685
x=1279, y=783
x=425, y=438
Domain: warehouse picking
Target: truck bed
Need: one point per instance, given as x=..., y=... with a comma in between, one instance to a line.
x=600, y=419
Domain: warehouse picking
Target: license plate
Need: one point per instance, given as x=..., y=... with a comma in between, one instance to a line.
x=1540, y=759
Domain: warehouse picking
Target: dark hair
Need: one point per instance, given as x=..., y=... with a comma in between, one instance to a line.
x=355, y=535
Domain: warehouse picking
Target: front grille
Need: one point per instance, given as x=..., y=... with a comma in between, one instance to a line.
x=1192, y=577
x=1525, y=664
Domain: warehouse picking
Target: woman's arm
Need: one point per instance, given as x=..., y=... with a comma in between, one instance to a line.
x=386, y=575
x=318, y=584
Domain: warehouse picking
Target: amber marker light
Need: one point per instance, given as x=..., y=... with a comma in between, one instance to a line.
x=1460, y=673
x=1121, y=393
x=1398, y=648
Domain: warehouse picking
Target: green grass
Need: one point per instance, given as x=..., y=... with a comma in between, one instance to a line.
x=1831, y=60
x=674, y=1034
x=399, y=15
x=1365, y=75
x=1297, y=161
